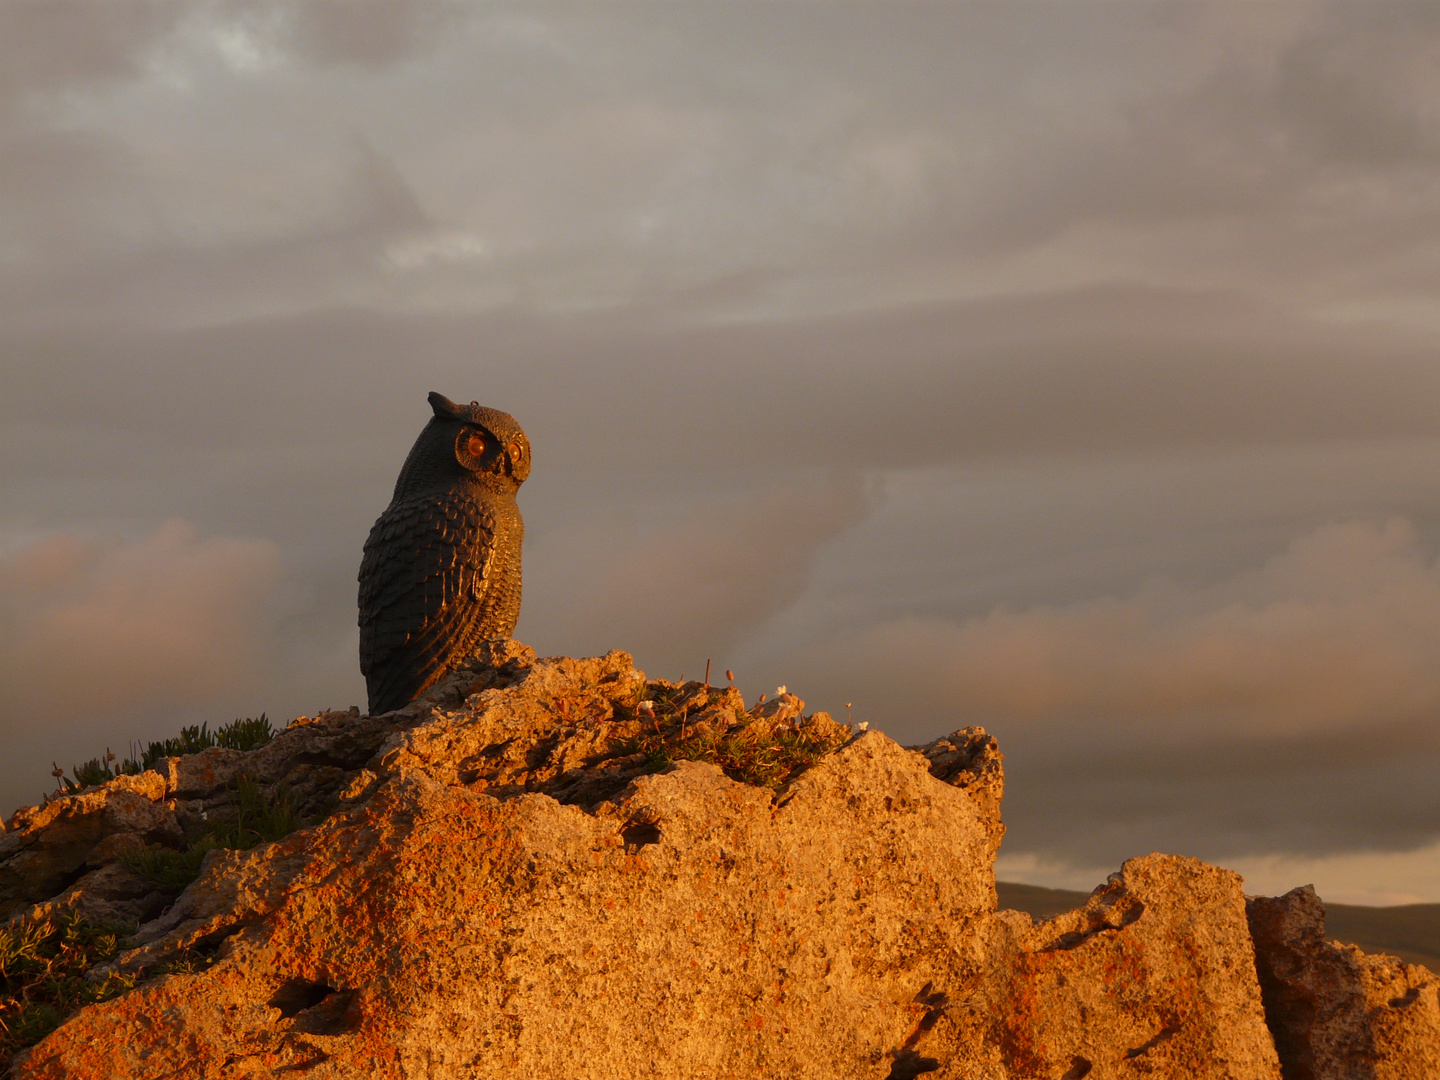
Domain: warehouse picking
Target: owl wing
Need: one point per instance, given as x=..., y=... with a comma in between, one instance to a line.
x=427, y=563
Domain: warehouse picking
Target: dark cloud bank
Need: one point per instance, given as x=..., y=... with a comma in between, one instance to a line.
x=1069, y=369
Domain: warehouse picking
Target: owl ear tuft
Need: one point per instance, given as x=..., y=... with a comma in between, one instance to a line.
x=444, y=407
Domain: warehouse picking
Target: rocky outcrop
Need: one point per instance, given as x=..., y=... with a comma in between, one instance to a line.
x=1154, y=976
x=1337, y=1012
x=69, y=854
x=476, y=905
x=694, y=928
x=45, y=849
x=559, y=868
x=971, y=760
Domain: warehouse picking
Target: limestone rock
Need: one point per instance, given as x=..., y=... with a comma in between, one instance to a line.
x=971, y=760
x=694, y=927
x=1154, y=976
x=199, y=774
x=510, y=737
x=47, y=848
x=1337, y=1013
x=111, y=894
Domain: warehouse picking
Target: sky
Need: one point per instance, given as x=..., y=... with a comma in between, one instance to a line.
x=1067, y=368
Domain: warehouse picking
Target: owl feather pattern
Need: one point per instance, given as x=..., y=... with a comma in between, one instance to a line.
x=441, y=569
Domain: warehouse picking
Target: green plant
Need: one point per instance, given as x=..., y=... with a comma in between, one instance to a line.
x=42, y=967
x=237, y=735
x=188, y=962
x=257, y=820
x=765, y=758
x=95, y=771
x=191, y=740
x=246, y=734
x=43, y=963
x=170, y=869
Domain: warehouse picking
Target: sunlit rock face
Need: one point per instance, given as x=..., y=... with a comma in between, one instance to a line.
x=1153, y=976
x=526, y=871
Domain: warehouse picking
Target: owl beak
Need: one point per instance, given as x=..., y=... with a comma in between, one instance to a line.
x=444, y=407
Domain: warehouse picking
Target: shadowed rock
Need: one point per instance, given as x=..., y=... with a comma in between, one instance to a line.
x=1335, y=1011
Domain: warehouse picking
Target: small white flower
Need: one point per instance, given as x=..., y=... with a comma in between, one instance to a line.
x=863, y=725
x=647, y=708
x=779, y=690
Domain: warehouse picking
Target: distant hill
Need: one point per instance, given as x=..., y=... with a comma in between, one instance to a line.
x=1038, y=901
x=1411, y=932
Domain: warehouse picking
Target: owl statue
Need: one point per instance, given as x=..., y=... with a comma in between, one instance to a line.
x=441, y=570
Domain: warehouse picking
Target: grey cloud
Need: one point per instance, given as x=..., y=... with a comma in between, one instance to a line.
x=170, y=615
x=46, y=45
x=1360, y=86
x=315, y=409
x=1260, y=133
x=380, y=194
x=1227, y=796
x=64, y=191
x=368, y=32
x=628, y=153
x=122, y=258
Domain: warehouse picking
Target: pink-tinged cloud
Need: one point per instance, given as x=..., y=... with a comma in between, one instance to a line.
x=94, y=627
x=1340, y=630
x=680, y=592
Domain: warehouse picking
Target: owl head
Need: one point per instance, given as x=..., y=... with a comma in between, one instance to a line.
x=466, y=443
x=489, y=441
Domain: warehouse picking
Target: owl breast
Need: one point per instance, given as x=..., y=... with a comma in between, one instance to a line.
x=440, y=573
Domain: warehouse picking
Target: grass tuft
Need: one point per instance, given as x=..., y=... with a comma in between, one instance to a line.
x=42, y=974
x=257, y=820
x=764, y=758
x=170, y=869
x=246, y=734
x=42, y=968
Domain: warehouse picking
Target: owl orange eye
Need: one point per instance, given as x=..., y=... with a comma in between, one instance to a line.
x=515, y=450
x=475, y=446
